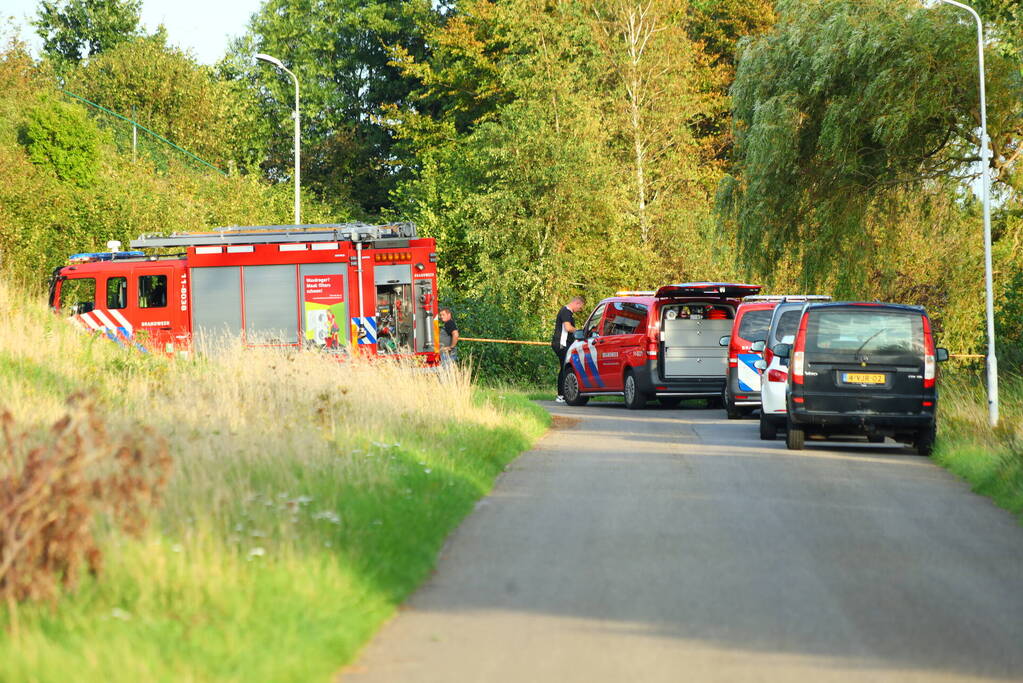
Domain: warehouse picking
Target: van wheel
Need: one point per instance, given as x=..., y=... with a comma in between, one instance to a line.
x=924, y=441
x=794, y=437
x=768, y=429
x=634, y=398
x=669, y=401
x=732, y=412
x=570, y=389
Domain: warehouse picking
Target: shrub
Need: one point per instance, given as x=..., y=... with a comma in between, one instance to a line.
x=60, y=135
x=49, y=509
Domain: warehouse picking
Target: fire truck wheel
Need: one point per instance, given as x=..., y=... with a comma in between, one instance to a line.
x=570, y=389
x=634, y=398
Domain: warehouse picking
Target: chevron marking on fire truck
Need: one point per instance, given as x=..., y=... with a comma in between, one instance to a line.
x=367, y=329
x=99, y=320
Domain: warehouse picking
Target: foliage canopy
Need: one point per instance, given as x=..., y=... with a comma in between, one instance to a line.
x=73, y=30
x=844, y=102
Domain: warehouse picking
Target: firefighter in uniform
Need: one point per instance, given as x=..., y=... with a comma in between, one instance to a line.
x=564, y=326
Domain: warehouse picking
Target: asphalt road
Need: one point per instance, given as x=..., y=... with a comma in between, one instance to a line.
x=673, y=545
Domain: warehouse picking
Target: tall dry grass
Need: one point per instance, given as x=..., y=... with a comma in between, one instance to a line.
x=308, y=496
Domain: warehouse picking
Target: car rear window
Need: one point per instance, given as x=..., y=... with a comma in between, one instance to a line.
x=788, y=324
x=866, y=332
x=755, y=324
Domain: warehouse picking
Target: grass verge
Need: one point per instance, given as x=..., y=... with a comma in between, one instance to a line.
x=308, y=499
x=990, y=460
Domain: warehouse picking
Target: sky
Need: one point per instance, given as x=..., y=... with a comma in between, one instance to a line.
x=203, y=26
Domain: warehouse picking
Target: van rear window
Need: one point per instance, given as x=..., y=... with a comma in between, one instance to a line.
x=755, y=324
x=865, y=332
x=788, y=324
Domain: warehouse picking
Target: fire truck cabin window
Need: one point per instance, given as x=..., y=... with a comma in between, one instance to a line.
x=117, y=292
x=78, y=295
x=152, y=291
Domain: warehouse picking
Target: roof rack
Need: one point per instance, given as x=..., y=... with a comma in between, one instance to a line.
x=634, y=292
x=787, y=297
x=274, y=234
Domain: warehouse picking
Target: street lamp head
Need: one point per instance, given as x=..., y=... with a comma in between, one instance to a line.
x=273, y=60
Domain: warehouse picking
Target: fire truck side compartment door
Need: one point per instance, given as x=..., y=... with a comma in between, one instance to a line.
x=326, y=314
x=216, y=305
x=392, y=275
x=270, y=296
x=424, y=301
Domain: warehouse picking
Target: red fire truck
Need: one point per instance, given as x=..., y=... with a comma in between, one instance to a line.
x=333, y=287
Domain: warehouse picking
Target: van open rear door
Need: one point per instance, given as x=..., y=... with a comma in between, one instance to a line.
x=723, y=290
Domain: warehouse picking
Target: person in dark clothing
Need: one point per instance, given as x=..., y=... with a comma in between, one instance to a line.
x=448, y=337
x=564, y=326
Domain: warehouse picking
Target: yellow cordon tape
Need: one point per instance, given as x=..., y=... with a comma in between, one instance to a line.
x=539, y=343
x=504, y=341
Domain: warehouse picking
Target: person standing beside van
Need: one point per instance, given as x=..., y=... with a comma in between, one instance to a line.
x=564, y=326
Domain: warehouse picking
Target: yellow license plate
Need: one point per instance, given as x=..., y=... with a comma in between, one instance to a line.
x=863, y=378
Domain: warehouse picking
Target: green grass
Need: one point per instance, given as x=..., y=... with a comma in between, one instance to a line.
x=308, y=499
x=991, y=460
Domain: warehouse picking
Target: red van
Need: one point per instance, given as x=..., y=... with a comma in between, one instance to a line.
x=647, y=345
x=742, y=388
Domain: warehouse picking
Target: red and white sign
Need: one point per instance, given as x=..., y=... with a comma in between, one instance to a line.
x=324, y=289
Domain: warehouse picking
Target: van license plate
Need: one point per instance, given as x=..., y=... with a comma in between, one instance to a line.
x=863, y=378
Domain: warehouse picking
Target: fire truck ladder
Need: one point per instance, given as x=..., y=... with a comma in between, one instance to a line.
x=391, y=234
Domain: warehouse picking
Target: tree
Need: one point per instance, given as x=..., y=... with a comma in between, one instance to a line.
x=844, y=102
x=165, y=90
x=662, y=86
x=73, y=30
x=340, y=53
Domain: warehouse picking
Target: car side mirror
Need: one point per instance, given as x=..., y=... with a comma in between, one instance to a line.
x=760, y=365
x=758, y=346
x=579, y=335
x=783, y=350
x=941, y=355
x=724, y=341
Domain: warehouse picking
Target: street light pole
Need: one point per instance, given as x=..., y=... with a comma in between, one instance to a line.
x=298, y=154
x=985, y=157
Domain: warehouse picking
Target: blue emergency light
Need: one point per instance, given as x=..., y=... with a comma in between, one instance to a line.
x=104, y=256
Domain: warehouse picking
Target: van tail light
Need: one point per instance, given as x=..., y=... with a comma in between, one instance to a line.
x=777, y=376
x=733, y=362
x=797, y=352
x=930, y=367
x=652, y=340
x=768, y=356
